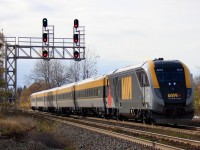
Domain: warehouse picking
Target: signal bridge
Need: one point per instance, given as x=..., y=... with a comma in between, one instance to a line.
x=45, y=47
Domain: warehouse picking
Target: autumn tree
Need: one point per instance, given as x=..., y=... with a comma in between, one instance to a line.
x=4, y=104
x=24, y=100
x=197, y=94
x=2, y=81
x=197, y=80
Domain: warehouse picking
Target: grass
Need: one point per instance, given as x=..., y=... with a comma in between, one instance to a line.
x=23, y=128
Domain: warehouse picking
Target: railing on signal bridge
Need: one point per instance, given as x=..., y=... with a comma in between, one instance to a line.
x=10, y=40
x=37, y=41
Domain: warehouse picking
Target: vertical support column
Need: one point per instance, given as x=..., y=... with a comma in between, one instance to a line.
x=51, y=40
x=82, y=40
x=6, y=70
x=10, y=72
x=15, y=80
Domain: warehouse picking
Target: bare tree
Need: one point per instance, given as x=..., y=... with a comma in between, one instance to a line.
x=57, y=74
x=54, y=74
x=73, y=72
x=51, y=73
x=88, y=66
x=84, y=69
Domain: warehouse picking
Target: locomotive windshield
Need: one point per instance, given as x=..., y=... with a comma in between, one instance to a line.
x=170, y=77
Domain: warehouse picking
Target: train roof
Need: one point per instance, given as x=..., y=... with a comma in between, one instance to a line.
x=91, y=79
x=40, y=92
x=157, y=61
x=130, y=67
x=50, y=90
x=67, y=85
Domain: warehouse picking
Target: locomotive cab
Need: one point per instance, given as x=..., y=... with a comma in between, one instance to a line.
x=173, y=92
x=172, y=89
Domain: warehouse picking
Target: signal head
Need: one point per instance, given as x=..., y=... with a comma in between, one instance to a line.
x=76, y=24
x=44, y=54
x=45, y=22
x=76, y=54
x=75, y=38
x=44, y=37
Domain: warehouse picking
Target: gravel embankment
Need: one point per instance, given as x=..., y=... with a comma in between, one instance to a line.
x=62, y=136
x=86, y=140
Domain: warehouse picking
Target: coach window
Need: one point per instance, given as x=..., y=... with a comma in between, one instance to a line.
x=96, y=92
x=142, y=78
x=59, y=96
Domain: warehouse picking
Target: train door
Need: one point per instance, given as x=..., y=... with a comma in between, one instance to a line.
x=36, y=102
x=145, y=91
x=144, y=87
x=112, y=101
x=74, y=99
x=110, y=107
x=56, y=100
x=45, y=101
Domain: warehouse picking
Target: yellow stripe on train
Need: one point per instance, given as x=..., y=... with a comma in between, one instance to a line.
x=187, y=76
x=153, y=74
x=126, y=88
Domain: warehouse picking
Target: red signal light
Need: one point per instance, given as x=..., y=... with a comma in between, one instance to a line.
x=76, y=54
x=75, y=38
x=44, y=37
x=45, y=54
x=75, y=23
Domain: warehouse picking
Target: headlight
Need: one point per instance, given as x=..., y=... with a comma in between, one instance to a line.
x=189, y=92
x=158, y=93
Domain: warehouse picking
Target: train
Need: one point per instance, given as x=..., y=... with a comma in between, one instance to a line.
x=156, y=91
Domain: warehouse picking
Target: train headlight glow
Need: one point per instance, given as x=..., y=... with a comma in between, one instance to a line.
x=158, y=93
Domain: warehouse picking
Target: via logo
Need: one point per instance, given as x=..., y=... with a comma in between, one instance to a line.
x=174, y=95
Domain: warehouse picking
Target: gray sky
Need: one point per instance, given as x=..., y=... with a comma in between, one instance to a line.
x=122, y=32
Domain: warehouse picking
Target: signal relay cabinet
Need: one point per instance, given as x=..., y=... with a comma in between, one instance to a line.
x=130, y=91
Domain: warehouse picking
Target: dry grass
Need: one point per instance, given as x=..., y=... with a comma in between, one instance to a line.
x=31, y=132
x=15, y=126
x=49, y=135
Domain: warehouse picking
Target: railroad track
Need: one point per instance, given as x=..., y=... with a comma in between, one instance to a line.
x=194, y=128
x=128, y=133
x=190, y=130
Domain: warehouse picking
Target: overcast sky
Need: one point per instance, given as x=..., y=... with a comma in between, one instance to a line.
x=122, y=32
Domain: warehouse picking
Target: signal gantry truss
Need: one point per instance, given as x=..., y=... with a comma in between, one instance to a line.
x=33, y=47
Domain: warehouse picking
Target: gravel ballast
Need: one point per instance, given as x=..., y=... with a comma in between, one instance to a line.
x=85, y=139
